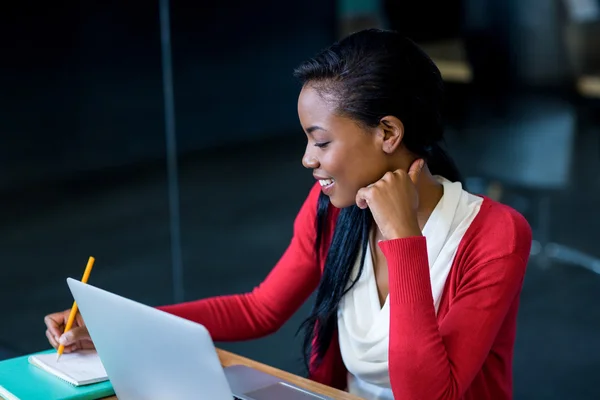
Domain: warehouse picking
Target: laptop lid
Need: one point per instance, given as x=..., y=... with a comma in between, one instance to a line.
x=148, y=353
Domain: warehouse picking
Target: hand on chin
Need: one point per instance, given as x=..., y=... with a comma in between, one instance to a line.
x=393, y=201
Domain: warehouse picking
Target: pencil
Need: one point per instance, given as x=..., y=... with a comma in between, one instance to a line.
x=86, y=275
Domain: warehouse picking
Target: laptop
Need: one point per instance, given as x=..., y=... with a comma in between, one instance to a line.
x=151, y=354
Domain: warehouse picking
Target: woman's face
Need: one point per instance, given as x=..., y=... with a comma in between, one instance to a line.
x=344, y=157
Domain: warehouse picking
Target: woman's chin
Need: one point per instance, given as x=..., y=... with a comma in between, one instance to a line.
x=340, y=203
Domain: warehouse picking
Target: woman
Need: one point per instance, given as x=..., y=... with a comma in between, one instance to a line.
x=417, y=280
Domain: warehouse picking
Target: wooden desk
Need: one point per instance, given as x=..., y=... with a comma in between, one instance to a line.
x=228, y=359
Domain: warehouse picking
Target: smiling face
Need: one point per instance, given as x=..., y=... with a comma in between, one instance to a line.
x=343, y=155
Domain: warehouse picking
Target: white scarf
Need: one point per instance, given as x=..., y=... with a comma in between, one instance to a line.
x=363, y=325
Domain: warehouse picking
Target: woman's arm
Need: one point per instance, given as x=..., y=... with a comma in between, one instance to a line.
x=272, y=303
x=431, y=361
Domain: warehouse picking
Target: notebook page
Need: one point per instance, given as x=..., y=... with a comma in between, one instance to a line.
x=80, y=368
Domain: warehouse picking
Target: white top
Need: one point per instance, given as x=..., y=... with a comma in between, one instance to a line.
x=363, y=325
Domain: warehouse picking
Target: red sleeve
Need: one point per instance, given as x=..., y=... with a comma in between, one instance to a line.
x=272, y=303
x=444, y=358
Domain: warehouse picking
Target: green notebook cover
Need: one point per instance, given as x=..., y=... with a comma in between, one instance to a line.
x=28, y=382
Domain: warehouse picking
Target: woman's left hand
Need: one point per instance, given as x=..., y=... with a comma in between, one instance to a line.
x=393, y=201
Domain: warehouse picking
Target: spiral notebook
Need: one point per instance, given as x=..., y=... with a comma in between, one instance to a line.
x=79, y=368
x=20, y=379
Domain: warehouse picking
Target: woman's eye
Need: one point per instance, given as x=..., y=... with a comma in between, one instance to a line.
x=321, y=145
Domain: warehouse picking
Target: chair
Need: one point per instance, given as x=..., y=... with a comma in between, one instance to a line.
x=526, y=146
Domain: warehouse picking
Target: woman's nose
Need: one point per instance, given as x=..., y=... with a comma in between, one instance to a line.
x=309, y=161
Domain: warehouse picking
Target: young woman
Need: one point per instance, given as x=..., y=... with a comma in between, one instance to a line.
x=417, y=280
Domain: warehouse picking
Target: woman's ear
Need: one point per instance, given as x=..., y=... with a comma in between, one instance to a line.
x=392, y=130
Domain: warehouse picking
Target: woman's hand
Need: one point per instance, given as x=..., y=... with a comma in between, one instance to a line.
x=393, y=201
x=77, y=338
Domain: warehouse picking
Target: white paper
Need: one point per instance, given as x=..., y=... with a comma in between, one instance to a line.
x=79, y=368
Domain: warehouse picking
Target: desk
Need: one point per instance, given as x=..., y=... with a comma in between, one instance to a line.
x=228, y=359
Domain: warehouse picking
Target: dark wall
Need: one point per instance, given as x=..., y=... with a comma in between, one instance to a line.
x=82, y=82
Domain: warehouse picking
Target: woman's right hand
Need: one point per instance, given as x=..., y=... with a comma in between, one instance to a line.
x=77, y=338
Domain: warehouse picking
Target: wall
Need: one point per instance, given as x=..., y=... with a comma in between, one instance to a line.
x=82, y=83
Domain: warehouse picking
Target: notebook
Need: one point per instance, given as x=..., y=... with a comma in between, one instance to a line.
x=79, y=368
x=22, y=380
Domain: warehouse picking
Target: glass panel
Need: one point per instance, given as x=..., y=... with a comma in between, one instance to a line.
x=241, y=144
x=83, y=161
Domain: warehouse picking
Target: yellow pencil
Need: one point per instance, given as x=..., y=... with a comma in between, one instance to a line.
x=86, y=275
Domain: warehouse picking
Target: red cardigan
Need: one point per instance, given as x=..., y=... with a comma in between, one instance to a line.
x=463, y=352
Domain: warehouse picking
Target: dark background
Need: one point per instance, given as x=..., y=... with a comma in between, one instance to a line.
x=83, y=156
